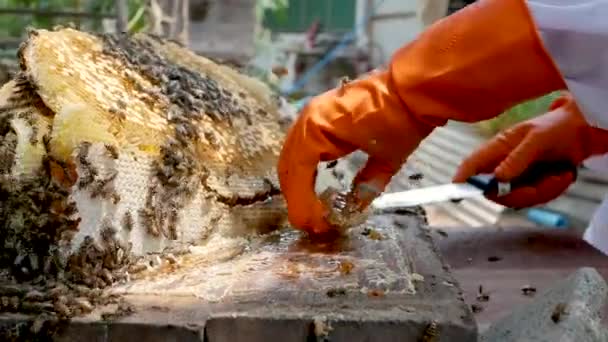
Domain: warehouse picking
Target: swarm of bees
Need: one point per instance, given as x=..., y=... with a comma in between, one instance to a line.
x=431, y=333
x=50, y=304
x=558, y=313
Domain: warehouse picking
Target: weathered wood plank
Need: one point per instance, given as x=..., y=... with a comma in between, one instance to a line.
x=294, y=290
x=291, y=286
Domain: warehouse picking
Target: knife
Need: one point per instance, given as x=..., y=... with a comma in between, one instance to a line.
x=475, y=186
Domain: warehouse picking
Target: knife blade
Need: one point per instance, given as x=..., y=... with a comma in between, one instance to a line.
x=476, y=186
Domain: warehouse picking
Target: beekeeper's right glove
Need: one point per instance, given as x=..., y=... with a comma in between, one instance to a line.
x=559, y=135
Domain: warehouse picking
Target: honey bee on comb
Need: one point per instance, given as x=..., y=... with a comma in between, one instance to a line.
x=431, y=333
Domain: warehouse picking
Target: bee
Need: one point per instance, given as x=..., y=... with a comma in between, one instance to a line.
x=38, y=324
x=100, y=187
x=34, y=135
x=261, y=112
x=211, y=139
x=342, y=82
x=431, y=333
x=83, y=152
x=34, y=296
x=156, y=261
x=416, y=176
x=247, y=118
x=375, y=235
x=57, y=172
x=376, y=293
x=558, y=312
x=120, y=255
x=107, y=231
x=124, y=309
x=70, y=209
x=528, y=290
x=172, y=225
x=115, y=197
x=62, y=309
x=113, y=110
x=476, y=308
x=127, y=248
x=137, y=268
x=331, y=293
x=14, y=303
x=147, y=218
x=345, y=267
x=279, y=71
x=127, y=221
x=482, y=296
x=81, y=290
x=331, y=164
x=112, y=151
x=83, y=305
x=87, y=177
x=58, y=291
x=35, y=307
x=171, y=259
x=4, y=302
x=46, y=141
x=106, y=275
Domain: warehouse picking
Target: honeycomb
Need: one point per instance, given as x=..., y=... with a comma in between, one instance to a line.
x=116, y=146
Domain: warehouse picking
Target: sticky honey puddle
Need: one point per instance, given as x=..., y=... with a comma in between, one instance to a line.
x=235, y=269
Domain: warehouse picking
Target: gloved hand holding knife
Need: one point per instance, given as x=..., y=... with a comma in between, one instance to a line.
x=470, y=66
x=562, y=134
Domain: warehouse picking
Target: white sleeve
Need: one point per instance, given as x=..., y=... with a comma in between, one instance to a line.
x=596, y=233
x=575, y=33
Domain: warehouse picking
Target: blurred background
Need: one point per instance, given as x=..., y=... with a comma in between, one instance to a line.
x=301, y=48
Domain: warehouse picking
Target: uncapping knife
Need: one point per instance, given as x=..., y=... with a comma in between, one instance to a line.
x=479, y=185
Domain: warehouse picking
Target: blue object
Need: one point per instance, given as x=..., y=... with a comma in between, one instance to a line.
x=547, y=218
x=302, y=102
x=346, y=39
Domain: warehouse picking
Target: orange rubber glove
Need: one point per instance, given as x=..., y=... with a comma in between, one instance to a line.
x=465, y=67
x=559, y=135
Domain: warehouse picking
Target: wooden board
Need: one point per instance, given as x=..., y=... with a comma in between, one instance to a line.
x=278, y=306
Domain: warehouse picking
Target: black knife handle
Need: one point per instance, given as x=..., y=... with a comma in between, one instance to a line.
x=537, y=171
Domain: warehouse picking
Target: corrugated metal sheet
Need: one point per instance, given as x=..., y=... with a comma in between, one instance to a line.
x=437, y=158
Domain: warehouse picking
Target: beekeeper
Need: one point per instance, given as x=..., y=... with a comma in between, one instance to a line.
x=470, y=66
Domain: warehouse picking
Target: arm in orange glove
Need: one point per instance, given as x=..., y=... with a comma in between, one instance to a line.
x=466, y=67
x=559, y=135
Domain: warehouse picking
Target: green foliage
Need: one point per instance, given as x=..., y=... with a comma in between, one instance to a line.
x=12, y=25
x=278, y=7
x=519, y=113
x=265, y=49
x=262, y=35
x=136, y=22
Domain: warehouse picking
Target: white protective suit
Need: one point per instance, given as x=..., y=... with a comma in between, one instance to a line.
x=575, y=33
x=429, y=11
